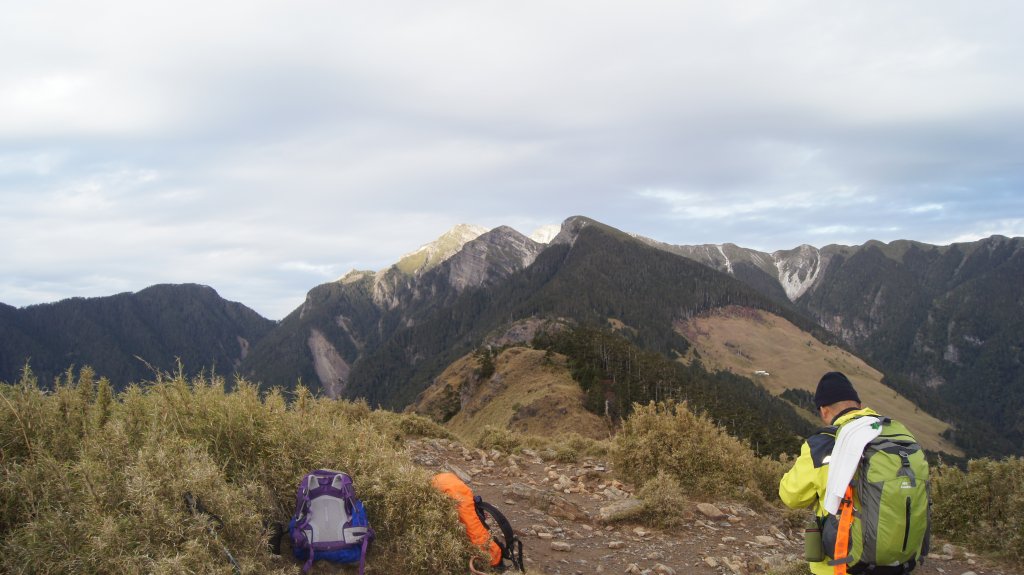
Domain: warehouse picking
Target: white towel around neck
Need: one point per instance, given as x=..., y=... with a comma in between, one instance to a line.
x=846, y=455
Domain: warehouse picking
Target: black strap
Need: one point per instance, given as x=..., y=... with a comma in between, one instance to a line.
x=513, y=547
x=865, y=568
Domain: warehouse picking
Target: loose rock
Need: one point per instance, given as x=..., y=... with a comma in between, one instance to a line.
x=710, y=511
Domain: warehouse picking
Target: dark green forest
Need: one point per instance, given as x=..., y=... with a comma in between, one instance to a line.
x=126, y=337
x=615, y=374
x=946, y=325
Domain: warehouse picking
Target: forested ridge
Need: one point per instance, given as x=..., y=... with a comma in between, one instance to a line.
x=615, y=374
x=126, y=337
x=945, y=324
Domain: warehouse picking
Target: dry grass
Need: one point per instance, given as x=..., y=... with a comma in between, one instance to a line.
x=564, y=448
x=703, y=458
x=530, y=392
x=94, y=485
x=743, y=341
x=982, y=508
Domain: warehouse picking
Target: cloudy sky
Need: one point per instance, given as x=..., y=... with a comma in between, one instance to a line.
x=264, y=147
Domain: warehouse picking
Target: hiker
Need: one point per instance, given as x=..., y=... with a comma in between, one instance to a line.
x=831, y=474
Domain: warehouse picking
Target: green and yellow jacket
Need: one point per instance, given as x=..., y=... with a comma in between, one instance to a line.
x=804, y=484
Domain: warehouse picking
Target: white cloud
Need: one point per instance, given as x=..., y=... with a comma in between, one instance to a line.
x=256, y=150
x=1012, y=228
x=33, y=163
x=326, y=271
x=710, y=206
x=926, y=208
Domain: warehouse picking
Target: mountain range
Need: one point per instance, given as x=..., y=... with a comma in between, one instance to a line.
x=943, y=324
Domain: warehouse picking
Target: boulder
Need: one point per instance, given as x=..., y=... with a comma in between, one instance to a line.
x=620, y=510
x=710, y=511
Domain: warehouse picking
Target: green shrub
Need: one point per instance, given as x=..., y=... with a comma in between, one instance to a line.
x=585, y=446
x=94, y=483
x=499, y=438
x=565, y=447
x=982, y=508
x=566, y=454
x=704, y=459
x=665, y=504
x=413, y=425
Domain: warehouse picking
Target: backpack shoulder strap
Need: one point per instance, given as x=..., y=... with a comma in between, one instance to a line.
x=842, y=549
x=513, y=547
x=821, y=443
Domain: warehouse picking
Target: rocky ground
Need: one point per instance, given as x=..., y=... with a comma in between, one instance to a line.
x=564, y=513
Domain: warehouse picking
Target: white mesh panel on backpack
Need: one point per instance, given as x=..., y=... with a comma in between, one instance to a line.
x=328, y=519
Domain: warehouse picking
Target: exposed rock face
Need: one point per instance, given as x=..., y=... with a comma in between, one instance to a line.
x=571, y=230
x=386, y=287
x=243, y=345
x=494, y=255
x=798, y=269
x=330, y=368
x=433, y=254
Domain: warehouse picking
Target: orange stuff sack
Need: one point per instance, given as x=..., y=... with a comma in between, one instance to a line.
x=452, y=486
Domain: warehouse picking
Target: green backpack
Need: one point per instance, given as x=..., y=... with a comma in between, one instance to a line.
x=891, y=497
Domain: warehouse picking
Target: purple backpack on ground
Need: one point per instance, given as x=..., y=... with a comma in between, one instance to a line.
x=330, y=522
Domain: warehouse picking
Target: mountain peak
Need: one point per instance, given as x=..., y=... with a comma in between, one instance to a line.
x=495, y=254
x=571, y=229
x=428, y=256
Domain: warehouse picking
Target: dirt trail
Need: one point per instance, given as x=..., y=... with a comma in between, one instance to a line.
x=556, y=510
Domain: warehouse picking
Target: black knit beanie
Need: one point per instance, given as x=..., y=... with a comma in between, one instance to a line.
x=834, y=387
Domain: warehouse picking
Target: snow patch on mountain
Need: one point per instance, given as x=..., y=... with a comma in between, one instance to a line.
x=728, y=264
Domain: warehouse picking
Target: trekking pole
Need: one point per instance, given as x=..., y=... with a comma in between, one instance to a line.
x=196, y=507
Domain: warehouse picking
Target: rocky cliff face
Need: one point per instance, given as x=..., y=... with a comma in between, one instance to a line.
x=330, y=368
x=799, y=269
x=491, y=257
x=795, y=271
x=431, y=255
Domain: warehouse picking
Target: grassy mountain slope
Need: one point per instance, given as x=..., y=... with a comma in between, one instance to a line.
x=528, y=391
x=744, y=341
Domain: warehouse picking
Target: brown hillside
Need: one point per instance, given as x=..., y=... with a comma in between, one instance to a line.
x=745, y=341
x=529, y=392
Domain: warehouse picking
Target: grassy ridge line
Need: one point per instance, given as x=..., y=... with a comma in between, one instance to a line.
x=527, y=390
x=94, y=483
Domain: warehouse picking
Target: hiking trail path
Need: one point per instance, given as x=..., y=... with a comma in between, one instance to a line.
x=556, y=510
